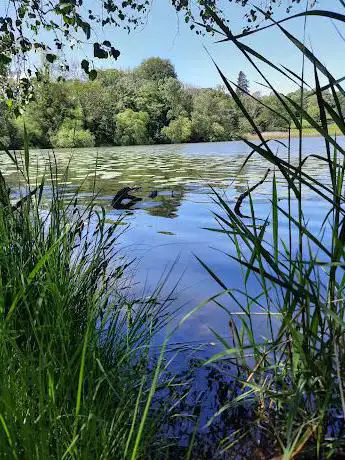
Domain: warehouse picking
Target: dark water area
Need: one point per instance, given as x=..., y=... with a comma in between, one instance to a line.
x=165, y=233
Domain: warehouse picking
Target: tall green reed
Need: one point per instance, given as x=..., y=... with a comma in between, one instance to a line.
x=293, y=376
x=77, y=376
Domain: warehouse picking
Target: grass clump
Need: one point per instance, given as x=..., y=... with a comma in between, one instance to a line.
x=291, y=374
x=75, y=367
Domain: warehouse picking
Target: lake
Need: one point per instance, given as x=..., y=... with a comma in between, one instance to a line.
x=168, y=231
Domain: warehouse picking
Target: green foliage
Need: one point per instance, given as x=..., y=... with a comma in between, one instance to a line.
x=150, y=98
x=68, y=136
x=71, y=132
x=214, y=116
x=291, y=373
x=268, y=119
x=179, y=130
x=4, y=126
x=132, y=128
x=76, y=375
x=177, y=99
x=156, y=68
x=37, y=137
x=52, y=105
x=94, y=106
x=109, y=77
x=98, y=105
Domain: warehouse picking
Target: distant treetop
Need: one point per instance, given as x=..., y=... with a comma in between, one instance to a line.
x=156, y=68
x=242, y=84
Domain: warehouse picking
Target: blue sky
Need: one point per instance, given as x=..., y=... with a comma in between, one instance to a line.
x=166, y=35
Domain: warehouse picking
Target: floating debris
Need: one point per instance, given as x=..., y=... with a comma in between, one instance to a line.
x=153, y=194
x=123, y=199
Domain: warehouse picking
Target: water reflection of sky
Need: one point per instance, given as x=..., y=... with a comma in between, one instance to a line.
x=171, y=227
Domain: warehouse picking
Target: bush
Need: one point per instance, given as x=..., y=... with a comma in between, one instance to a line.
x=132, y=127
x=5, y=141
x=179, y=130
x=35, y=135
x=68, y=137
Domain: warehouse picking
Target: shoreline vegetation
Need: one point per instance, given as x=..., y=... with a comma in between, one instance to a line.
x=144, y=106
x=333, y=130
x=293, y=375
x=76, y=364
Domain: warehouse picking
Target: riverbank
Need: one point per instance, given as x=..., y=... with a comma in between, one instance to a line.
x=307, y=132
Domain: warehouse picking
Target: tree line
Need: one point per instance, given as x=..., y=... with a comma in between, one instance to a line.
x=145, y=105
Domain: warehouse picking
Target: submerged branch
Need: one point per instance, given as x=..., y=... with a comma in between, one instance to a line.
x=244, y=195
x=20, y=203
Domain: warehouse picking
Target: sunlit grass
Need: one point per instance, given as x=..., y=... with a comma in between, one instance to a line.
x=333, y=130
x=77, y=377
x=293, y=375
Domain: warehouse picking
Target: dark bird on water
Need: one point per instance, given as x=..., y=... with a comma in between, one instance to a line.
x=123, y=199
x=153, y=194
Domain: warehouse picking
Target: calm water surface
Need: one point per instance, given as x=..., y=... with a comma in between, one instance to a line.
x=167, y=232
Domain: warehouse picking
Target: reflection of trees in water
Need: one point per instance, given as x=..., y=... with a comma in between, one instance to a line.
x=168, y=203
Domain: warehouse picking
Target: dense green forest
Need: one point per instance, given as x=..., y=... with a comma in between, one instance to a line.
x=141, y=106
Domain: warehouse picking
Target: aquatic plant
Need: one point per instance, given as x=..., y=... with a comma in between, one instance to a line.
x=292, y=376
